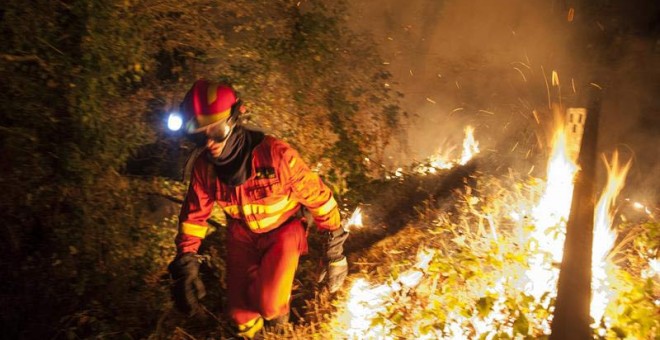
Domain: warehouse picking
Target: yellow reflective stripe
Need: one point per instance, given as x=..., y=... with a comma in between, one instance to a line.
x=341, y=262
x=264, y=222
x=325, y=208
x=284, y=204
x=249, y=324
x=232, y=210
x=292, y=162
x=249, y=330
x=194, y=229
x=268, y=221
x=279, y=208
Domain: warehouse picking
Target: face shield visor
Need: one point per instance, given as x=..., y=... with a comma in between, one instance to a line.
x=220, y=131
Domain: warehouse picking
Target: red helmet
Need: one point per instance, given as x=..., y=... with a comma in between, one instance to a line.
x=210, y=106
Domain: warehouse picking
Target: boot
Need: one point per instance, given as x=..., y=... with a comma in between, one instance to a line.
x=251, y=330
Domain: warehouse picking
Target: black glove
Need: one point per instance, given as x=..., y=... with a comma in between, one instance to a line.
x=336, y=266
x=188, y=288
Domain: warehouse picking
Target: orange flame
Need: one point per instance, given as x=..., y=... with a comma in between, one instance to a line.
x=355, y=220
x=604, y=237
x=550, y=215
x=555, y=204
x=366, y=301
x=444, y=160
x=470, y=146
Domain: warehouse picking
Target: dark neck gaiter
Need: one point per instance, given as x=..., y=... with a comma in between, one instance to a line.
x=234, y=166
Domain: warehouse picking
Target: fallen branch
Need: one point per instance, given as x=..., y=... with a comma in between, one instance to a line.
x=27, y=58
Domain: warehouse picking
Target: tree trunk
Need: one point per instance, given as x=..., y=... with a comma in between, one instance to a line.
x=571, y=318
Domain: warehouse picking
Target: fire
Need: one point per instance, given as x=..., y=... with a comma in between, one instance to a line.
x=604, y=237
x=652, y=270
x=470, y=146
x=365, y=301
x=641, y=207
x=551, y=213
x=524, y=288
x=355, y=220
x=549, y=217
x=442, y=160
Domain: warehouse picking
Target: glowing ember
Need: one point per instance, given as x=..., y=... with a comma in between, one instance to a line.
x=604, y=237
x=641, y=207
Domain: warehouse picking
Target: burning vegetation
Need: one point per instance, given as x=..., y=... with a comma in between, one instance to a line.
x=488, y=267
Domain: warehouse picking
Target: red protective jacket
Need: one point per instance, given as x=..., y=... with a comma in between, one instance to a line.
x=280, y=183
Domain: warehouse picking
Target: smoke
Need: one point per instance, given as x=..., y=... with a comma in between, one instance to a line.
x=490, y=64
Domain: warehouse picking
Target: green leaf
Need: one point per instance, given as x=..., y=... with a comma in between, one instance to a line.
x=484, y=306
x=521, y=325
x=620, y=333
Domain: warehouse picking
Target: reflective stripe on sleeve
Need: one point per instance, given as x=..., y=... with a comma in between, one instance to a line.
x=342, y=262
x=194, y=229
x=325, y=208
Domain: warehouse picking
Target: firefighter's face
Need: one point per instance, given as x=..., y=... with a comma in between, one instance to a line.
x=215, y=148
x=219, y=131
x=216, y=137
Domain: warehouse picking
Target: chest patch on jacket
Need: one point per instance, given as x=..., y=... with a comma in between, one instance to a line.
x=265, y=173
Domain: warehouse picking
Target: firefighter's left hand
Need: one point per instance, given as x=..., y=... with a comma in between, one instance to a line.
x=336, y=273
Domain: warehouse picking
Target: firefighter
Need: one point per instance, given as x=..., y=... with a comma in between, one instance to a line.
x=261, y=184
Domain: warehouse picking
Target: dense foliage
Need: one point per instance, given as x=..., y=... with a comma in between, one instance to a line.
x=85, y=87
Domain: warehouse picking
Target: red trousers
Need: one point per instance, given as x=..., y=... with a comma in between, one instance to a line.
x=261, y=269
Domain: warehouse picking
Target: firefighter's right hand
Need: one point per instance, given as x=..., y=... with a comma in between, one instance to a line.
x=335, y=266
x=336, y=273
x=188, y=288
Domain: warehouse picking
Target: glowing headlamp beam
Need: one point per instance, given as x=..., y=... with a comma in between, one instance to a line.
x=174, y=121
